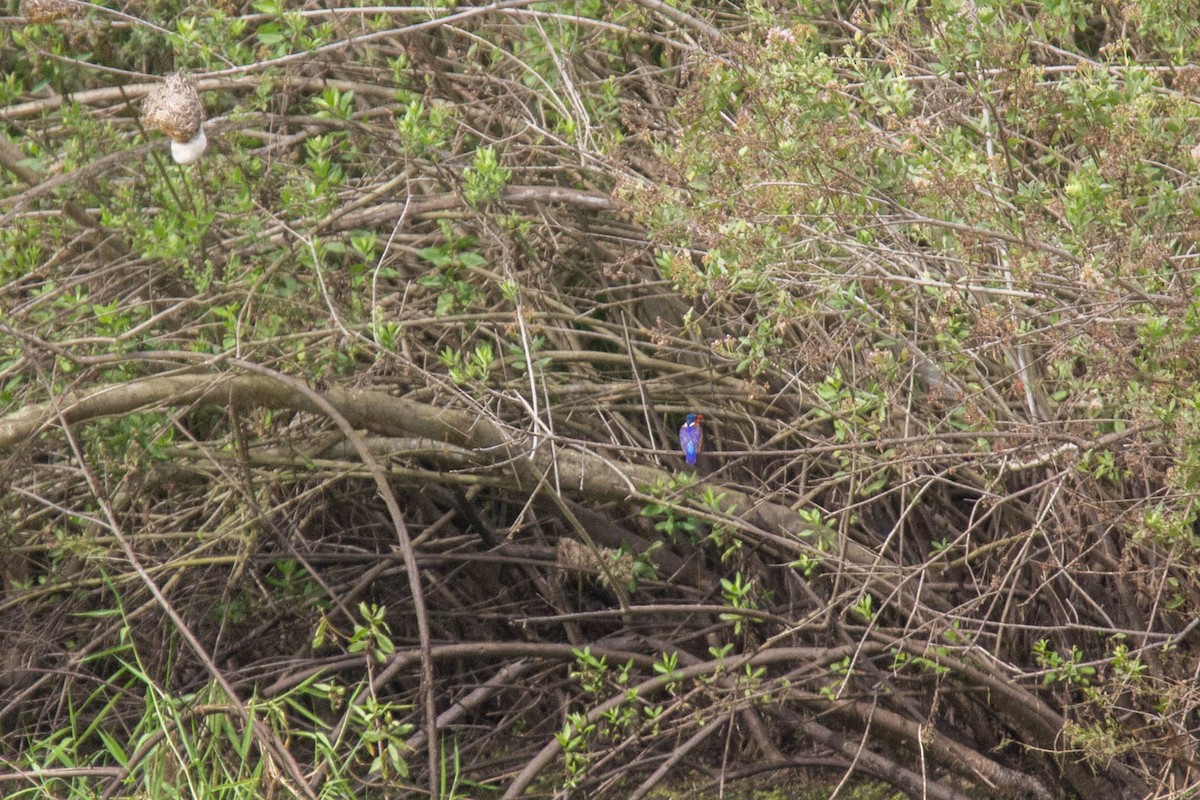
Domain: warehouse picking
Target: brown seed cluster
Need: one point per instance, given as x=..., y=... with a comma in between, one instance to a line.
x=40, y=11
x=575, y=557
x=174, y=108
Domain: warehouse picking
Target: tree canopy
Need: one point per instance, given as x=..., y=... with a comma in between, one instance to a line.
x=341, y=461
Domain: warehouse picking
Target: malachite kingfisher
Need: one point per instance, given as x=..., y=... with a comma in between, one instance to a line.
x=691, y=437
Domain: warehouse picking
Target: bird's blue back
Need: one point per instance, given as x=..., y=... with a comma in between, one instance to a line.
x=691, y=438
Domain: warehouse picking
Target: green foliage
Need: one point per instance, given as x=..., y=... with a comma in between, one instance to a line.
x=452, y=777
x=673, y=520
x=486, y=178
x=634, y=568
x=666, y=666
x=184, y=753
x=842, y=672
x=574, y=738
x=589, y=671
x=721, y=534
x=1062, y=667
x=1125, y=666
x=382, y=736
x=739, y=592
x=449, y=280
x=295, y=584
x=422, y=130
x=334, y=104
x=821, y=533
x=864, y=608
x=373, y=635
x=597, y=681
x=1100, y=742
x=903, y=660
x=851, y=412
x=287, y=30
x=1173, y=528
x=475, y=366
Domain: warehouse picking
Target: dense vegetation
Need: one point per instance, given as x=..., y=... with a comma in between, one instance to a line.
x=342, y=463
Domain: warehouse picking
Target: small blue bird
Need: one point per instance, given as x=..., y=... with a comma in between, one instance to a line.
x=691, y=437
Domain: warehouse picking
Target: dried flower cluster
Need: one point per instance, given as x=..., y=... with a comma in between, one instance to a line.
x=174, y=108
x=40, y=11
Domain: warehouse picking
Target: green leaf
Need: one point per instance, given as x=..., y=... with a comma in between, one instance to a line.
x=270, y=34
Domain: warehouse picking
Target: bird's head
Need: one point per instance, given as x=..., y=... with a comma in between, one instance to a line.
x=693, y=419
